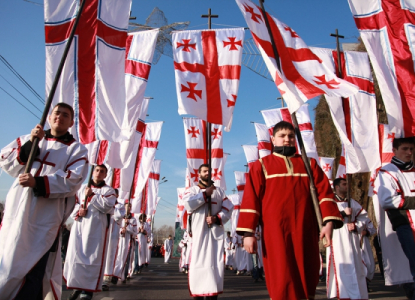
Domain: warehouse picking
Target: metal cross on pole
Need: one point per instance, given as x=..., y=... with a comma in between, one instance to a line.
x=340, y=75
x=210, y=16
x=297, y=130
x=208, y=129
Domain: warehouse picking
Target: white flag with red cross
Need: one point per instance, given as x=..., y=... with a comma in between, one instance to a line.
x=93, y=80
x=251, y=154
x=197, y=151
x=386, y=138
x=273, y=116
x=303, y=75
x=181, y=213
x=235, y=199
x=207, y=65
x=139, y=55
x=145, y=157
x=151, y=189
x=264, y=139
x=341, y=169
x=387, y=29
x=355, y=118
x=326, y=164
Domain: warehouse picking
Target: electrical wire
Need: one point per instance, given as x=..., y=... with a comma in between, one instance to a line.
x=9, y=66
x=20, y=93
x=19, y=103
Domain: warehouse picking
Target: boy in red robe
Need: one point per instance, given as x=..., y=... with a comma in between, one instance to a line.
x=277, y=197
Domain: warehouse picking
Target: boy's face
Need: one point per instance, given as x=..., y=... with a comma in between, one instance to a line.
x=284, y=137
x=404, y=152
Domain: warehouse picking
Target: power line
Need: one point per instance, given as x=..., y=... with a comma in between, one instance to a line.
x=9, y=66
x=20, y=93
x=19, y=103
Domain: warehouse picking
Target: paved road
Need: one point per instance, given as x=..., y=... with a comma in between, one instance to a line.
x=163, y=281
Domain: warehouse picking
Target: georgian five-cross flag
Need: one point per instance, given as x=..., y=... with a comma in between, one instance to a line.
x=197, y=153
x=148, y=205
x=251, y=154
x=264, y=140
x=207, y=66
x=387, y=28
x=303, y=75
x=355, y=117
x=326, y=164
x=92, y=80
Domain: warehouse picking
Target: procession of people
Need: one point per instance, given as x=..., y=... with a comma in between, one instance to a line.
x=80, y=212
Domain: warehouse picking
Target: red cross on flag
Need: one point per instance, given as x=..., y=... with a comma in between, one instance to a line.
x=264, y=140
x=273, y=116
x=251, y=154
x=93, y=80
x=145, y=157
x=197, y=153
x=355, y=118
x=341, y=169
x=151, y=189
x=207, y=66
x=326, y=164
x=303, y=75
x=388, y=32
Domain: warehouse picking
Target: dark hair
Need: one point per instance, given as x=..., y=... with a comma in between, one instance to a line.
x=203, y=166
x=336, y=182
x=67, y=106
x=398, y=142
x=102, y=166
x=281, y=126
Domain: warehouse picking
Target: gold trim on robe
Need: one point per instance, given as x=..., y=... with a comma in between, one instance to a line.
x=249, y=211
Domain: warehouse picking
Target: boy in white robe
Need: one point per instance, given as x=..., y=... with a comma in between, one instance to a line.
x=36, y=206
x=113, y=238
x=206, y=262
x=126, y=245
x=142, y=241
x=228, y=251
x=149, y=247
x=84, y=266
x=395, y=189
x=168, y=248
x=346, y=275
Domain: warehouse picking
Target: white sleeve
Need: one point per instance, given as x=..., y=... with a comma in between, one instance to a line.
x=9, y=157
x=388, y=192
x=193, y=200
x=226, y=211
x=132, y=227
x=104, y=202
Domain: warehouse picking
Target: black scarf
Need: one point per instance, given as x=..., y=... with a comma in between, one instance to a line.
x=66, y=138
x=201, y=184
x=285, y=150
x=404, y=166
x=101, y=184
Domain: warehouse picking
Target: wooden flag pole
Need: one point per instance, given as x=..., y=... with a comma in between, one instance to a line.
x=35, y=144
x=85, y=206
x=340, y=73
x=297, y=132
x=208, y=130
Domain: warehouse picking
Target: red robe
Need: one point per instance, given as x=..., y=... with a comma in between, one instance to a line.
x=277, y=196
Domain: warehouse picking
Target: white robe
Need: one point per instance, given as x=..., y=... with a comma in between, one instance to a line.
x=345, y=272
x=183, y=247
x=31, y=224
x=126, y=244
x=387, y=196
x=113, y=239
x=228, y=252
x=239, y=255
x=259, y=249
x=206, y=270
x=142, y=243
x=84, y=264
x=149, y=247
x=168, y=248
x=367, y=253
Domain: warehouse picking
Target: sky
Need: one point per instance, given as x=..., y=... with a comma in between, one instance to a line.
x=22, y=45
